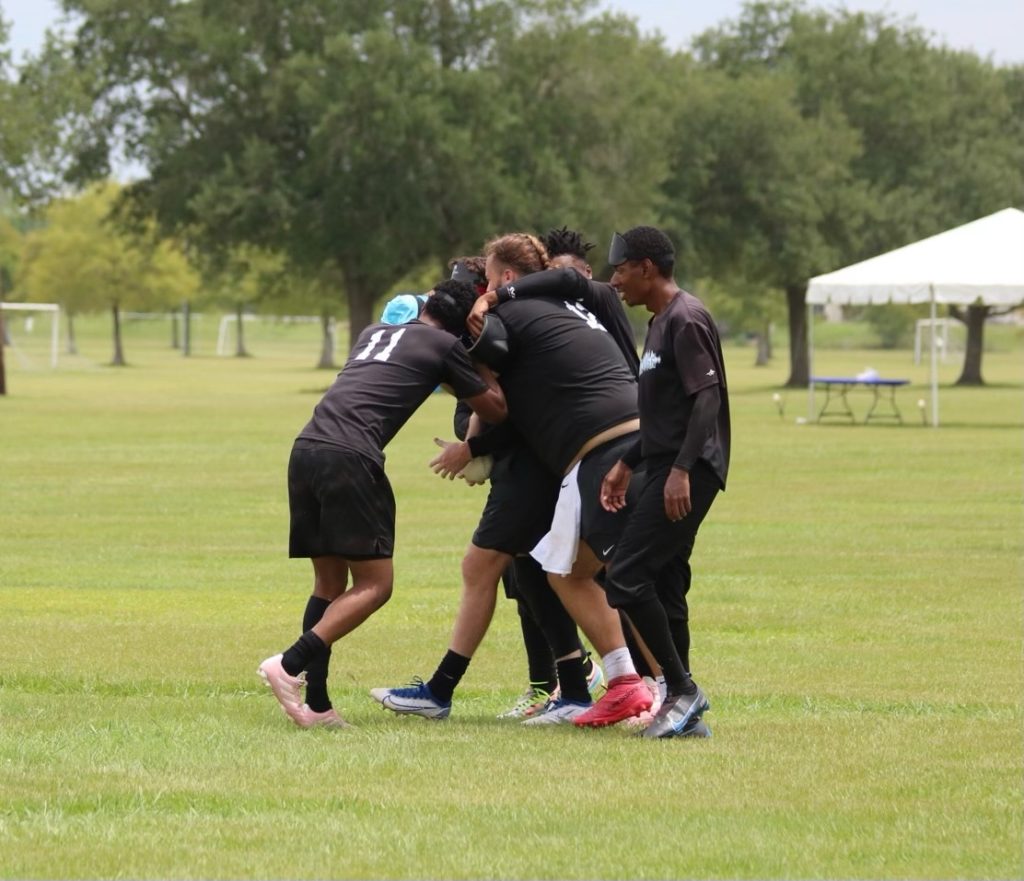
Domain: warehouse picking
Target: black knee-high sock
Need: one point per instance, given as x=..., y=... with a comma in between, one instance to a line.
x=573, y=681
x=447, y=676
x=648, y=616
x=681, y=638
x=303, y=650
x=539, y=660
x=316, y=672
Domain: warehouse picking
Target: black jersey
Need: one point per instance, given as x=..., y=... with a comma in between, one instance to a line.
x=597, y=297
x=565, y=380
x=682, y=355
x=391, y=371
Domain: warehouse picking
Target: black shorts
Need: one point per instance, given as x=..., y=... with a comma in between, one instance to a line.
x=341, y=504
x=520, y=503
x=599, y=528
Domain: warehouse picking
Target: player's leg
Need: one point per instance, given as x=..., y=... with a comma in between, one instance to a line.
x=481, y=571
x=586, y=602
x=330, y=578
x=648, y=544
x=542, y=676
x=342, y=509
x=520, y=497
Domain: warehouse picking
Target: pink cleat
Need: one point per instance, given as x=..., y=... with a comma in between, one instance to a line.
x=626, y=696
x=307, y=718
x=644, y=718
x=287, y=688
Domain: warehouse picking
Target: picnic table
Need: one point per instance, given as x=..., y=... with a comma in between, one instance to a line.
x=837, y=406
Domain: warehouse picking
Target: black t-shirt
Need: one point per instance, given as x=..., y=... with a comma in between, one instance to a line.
x=565, y=380
x=682, y=355
x=391, y=371
x=597, y=297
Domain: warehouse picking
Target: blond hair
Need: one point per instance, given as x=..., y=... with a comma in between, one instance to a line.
x=519, y=251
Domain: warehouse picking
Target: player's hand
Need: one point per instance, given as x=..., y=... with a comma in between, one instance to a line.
x=454, y=456
x=614, y=486
x=483, y=305
x=677, y=494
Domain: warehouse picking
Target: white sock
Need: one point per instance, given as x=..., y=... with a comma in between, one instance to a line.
x=617, y=663
x=662, y=687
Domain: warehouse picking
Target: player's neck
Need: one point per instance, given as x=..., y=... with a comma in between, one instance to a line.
x=663, y=292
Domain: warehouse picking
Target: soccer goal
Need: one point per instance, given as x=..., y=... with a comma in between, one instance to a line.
x=939, y=329
x=27, y=312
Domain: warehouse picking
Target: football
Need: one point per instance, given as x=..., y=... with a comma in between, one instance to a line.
x=478, y=469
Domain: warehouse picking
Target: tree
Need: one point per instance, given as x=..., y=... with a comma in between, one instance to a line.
x=329, y=131
x=374, y=138
x=759, y=196
x=81, y=258
x=939, y=131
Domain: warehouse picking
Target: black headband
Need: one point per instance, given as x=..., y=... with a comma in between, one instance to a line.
x=618, y=252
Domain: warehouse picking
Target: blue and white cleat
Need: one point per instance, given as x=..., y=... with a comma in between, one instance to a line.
x=414, y=699
x=678, y=716
x=558, y=712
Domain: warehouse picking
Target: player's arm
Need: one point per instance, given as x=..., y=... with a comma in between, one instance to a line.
x=702, y=423
x=700, y=379
x=565, y=283
x=489, y=405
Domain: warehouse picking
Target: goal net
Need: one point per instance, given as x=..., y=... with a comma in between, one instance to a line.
x=25, y=330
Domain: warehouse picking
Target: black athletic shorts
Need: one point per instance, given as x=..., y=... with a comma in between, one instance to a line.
x=520, y=503
x=599, y=528
x=341, y=504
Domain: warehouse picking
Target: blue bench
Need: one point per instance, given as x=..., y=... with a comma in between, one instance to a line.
x=837, y=406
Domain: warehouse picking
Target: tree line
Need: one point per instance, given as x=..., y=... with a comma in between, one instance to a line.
x=346, y=147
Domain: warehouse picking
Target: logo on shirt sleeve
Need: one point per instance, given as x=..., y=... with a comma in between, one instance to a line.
x=711, y=372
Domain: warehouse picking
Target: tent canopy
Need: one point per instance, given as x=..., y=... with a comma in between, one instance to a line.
x=981, y=260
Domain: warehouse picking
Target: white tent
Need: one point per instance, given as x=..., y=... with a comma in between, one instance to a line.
x=981, y=261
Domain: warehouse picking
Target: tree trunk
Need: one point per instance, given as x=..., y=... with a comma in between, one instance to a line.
x=764, y=346
x=3, y=373
x=72, y=346
x=240, y=351
x=327, y=350
x=118, y=360
x=360, y=312
x=175, y=341
x=975, y=321
x=799, y=372
x=186, y=328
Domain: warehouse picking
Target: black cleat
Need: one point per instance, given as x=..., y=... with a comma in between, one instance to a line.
x=677, y=714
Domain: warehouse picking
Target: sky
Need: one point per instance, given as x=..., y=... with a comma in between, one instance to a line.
x=992, y=28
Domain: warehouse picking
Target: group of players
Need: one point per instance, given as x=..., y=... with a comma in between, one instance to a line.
x=551, y=388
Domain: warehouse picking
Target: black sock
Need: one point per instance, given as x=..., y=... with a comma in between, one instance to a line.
x=447, y=676
x=539, y=660
x=316, y=671
x=305, y=648
x=651, y=623
x=573, y=681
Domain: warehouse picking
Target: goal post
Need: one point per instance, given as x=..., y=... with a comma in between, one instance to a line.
x=54, y=311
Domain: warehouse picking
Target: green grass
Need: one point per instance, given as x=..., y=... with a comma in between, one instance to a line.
x=857, y=620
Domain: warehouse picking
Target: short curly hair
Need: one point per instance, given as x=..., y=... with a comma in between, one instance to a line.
x=648, y=242
x=450, y=303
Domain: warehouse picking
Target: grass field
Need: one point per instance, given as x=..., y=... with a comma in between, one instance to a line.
x=857, y=617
